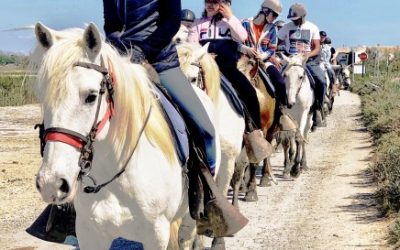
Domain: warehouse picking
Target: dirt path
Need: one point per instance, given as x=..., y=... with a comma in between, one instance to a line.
x=328, y=207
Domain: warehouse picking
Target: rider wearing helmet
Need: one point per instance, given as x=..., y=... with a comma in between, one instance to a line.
x=302, y=37
x=187, y=17
x=262, y=41
x=219, y=27
x=326, y=55
x=144, y=29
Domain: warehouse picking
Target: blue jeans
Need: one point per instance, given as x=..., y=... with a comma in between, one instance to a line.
x=319, y=78
x=190, y=105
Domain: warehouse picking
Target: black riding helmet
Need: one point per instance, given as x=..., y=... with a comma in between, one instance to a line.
x=187, y=15
x=327, y=40
x=322, y=33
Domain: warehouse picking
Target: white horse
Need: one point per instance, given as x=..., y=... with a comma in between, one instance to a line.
x=300, y=99
x=112, y=108
x=203, y=72
x=182, y=35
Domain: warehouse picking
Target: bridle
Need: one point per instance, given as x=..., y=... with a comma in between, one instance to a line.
x=286, y=68
x=85, y=143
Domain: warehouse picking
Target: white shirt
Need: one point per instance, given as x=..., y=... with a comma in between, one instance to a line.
x=298, y=39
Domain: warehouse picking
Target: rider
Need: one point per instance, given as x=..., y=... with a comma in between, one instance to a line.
x=326, y=55
x=187, y=18
x=219, y=27
x=302, y=37
x=262, y=43
x=144, y=29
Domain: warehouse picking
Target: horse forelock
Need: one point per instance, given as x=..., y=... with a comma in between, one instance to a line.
x=131, y=98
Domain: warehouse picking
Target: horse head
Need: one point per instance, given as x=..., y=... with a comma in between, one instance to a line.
x=295, y=76
x=182, y=35
x=77, y=72
x=345, y=71
x=200, y=67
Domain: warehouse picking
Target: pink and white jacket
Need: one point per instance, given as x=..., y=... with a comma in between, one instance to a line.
x=224, y=37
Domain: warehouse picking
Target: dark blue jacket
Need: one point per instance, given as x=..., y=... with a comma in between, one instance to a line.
x=144, y=28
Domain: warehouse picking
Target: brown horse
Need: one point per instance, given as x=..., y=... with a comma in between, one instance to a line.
x=249, y=67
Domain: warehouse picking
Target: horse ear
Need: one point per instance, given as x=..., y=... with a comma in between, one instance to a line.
x=44, y=35
x=201, y=52
x=92, y=39
x=285, y=58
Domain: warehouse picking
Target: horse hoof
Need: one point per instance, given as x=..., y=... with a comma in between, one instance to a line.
x=251, y=196
x=286, y=176
x=265, y=182
x=218, y=244
x=295, y=172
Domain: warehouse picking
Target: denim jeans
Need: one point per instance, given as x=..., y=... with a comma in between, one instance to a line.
x=190, y=105
x=319, y=78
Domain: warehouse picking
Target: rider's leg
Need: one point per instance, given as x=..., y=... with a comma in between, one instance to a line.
x=245, y=90
x=319, y=78
x=183, y=94
x=279, y=83
x=332, y=75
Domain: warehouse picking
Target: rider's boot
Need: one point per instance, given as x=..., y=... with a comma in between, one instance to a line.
x=319, y=118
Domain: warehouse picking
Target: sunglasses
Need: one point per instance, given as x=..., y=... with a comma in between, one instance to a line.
x=267, y=11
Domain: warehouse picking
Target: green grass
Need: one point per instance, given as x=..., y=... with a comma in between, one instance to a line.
x=15, y=89
x=381, y=110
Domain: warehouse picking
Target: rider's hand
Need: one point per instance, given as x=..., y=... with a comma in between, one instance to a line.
x=225, y=10
x=250, y=52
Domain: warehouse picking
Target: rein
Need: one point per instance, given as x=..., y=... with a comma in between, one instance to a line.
x=85, y=143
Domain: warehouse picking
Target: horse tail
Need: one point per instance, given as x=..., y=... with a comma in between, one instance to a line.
x=174, y=235
x=212, y=77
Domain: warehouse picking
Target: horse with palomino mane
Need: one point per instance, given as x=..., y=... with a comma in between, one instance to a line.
x=203, y=73
x=102, y=123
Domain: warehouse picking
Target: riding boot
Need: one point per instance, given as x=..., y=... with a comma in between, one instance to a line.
x=214, y=215
x=257, y=147
x=319, y=116
x=55, y=223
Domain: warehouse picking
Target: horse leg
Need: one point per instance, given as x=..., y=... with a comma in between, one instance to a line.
x=295, y=171
x=218, y=244
x=287, y=162
x=267, y=175
x=187, y=233
x=251, y=194
x=303, y=163
x=236, y=181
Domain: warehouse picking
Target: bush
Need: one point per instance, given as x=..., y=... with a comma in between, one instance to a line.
x=15, y=89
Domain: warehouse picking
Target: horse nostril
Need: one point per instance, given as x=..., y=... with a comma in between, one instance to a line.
x=178, y=40
x=37, y=184
x=64, y=186
x=289, y=106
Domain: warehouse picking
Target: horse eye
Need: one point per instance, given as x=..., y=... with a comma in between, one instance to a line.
x=193, y=80
x=90, y=98
x=301, y=77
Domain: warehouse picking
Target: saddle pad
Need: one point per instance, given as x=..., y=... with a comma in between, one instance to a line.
x=267, y=81
x=177, y=126
x=232, y=96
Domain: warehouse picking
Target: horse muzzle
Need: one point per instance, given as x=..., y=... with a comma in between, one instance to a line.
x=54, y=189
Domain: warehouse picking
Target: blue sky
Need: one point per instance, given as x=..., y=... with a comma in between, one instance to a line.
x=347, y=22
